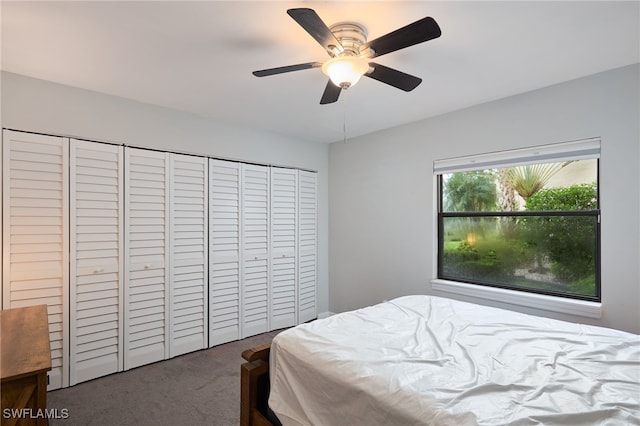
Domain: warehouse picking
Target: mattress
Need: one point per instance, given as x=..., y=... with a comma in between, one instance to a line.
x=424, y=360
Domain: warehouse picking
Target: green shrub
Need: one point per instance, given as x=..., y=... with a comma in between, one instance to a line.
x=568, y=241
x=490, y=260
x=586, y=285
x=576, y=197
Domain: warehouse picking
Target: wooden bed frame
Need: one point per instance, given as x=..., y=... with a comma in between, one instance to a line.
x=254, y=388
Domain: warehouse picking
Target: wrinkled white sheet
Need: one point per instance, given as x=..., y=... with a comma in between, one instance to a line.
x=421, y=360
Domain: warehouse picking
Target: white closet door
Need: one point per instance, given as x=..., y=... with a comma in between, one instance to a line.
x=146, y=298
x=283, y=310
x=188, y=244
x=96, y=289
x=36, y=235
x=224, y=251
x=307, y=245
x=255, y=249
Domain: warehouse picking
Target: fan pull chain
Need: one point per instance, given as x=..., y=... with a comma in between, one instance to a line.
x=344, y=117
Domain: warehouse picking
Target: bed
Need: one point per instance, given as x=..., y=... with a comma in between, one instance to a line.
x=424, y=360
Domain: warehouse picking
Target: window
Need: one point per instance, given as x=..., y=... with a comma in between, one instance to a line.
x=524, y=220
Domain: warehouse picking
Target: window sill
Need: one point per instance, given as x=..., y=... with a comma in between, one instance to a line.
x=530, y=300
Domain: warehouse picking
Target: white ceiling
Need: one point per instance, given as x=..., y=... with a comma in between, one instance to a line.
x=198, y=56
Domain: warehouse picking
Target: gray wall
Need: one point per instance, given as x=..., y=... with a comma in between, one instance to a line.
x=45, y=107
x=381, y=188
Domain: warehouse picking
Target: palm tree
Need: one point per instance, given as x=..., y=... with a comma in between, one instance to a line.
x=529, y=179
x=507, y=202
x=470, y=192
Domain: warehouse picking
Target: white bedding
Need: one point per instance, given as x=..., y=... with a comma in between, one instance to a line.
x=421, y=360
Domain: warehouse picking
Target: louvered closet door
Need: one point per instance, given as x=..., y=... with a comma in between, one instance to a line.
x=307, y=245
x=255, y=249
x=146, y=332
x=189, y=269
x=36, y=235
x=224, y=251
x=96, y=289
x=283, y=247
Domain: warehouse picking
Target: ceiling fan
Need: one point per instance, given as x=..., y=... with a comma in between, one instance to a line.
x=350, y=52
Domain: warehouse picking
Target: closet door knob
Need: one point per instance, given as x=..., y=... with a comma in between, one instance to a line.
x=147, y=266
x=98, y=270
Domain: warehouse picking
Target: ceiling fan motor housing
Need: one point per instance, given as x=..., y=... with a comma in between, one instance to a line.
x=352, y=37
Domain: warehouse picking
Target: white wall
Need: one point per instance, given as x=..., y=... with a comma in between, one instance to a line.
x=381, y=187
x=40, y=106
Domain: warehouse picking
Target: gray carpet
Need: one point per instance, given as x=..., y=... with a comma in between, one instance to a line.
x=200, y=388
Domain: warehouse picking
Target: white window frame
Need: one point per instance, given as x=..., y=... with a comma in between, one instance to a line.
x=564, y=151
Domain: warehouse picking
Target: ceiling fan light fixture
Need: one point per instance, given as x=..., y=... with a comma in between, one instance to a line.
x=345, y=71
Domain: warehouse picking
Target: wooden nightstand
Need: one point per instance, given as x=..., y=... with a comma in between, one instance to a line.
x=24, y=361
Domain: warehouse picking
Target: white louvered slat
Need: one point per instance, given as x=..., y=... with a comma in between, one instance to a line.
x=307, y=245
x=96, y=281
x=188, y=243
x=36, y=235
x=224, y=251
x=146, y=330
x=255, y=250
x=283, y=311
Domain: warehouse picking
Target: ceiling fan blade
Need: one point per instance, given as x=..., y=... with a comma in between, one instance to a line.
x=393, y=77
x=331, y=93
x=288, y=68
x=311, y=22
x=420, y=31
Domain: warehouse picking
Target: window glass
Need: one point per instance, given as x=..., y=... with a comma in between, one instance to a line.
x=528, y=227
